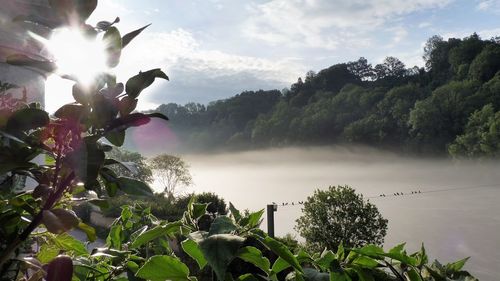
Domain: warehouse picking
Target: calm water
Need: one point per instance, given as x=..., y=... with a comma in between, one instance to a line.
x=453, y=224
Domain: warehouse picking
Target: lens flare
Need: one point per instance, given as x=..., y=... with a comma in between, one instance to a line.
x=77, y=55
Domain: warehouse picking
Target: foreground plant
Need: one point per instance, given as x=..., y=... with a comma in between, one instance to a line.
x=64, y=154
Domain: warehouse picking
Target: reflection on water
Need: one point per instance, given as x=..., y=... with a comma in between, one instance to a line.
x=453, y=224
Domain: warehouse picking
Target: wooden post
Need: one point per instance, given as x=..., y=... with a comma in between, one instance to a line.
x=270, y=219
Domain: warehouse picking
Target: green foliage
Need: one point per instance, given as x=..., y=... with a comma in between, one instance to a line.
x=130, y=164
x=340, y=216
x=481, y=137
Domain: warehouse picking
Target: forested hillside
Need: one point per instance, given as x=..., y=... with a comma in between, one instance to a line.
x=450, y=106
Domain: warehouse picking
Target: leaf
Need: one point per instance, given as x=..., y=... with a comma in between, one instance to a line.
x=311, y=274
x=129, y=166
x=280, y=265
x=71, y=111
x=116, y=137
x=160, y=268
x=127, y=105
x=89, y=231
x=59, y=220
x=221, y=225
x=456, y=266
x=364, y=275
x=131, y=120
x=134, y=187
x=105, y=25
x=413, y=275
x=71, y=244
x=127, y=38
x=47, y=253
x=101, y=203
x=158, y=115
x=282, y=251
x=193, y=250
x=113, y=42
x=254, y=219
x=23, y=60
x=365, y=262
x=114, y=238
x=155, y=232
x=254, y=256
x=234, y=212
x=26, y=119
x=370, y=250
x=141, y=81
x=198, y=210
x=326, y=258
x=247, y=277
x=219, y=250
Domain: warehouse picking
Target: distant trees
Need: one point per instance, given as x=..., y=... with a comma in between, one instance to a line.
x=340, y=216
x=413, y=109
x=172, y=172
x=481, y=137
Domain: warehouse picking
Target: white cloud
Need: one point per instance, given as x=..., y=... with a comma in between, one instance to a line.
x=424, y=24
x=323, y=23
x=489, y=6
x=201, y=74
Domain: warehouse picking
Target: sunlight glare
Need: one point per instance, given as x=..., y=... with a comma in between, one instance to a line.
x=77, y=55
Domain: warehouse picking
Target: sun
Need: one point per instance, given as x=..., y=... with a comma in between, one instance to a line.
x=77, y=55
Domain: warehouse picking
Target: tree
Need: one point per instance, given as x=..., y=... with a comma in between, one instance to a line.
x=481, y=137
x=172, y=172
x=361, y=69
x=133, y=164
x=340, y=216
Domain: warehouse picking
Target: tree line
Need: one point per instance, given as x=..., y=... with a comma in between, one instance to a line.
x=449, y=106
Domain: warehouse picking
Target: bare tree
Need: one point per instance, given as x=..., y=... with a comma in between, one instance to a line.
x=172, y=172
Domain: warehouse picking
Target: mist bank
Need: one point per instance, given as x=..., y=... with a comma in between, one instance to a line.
x=449, y=107
x=455, y=214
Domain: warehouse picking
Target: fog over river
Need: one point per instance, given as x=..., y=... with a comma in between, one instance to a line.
x=456, y=215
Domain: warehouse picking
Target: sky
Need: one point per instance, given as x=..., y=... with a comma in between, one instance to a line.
x=214, y=49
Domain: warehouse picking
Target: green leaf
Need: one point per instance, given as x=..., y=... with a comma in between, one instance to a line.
x=413, y=275
x=282, y=251
x=101, y=203
x=219, y=250
x=161, y=268
x=155, y=232
x=326, y=258
x=116, y=137
x=198, y=210
x=370, y=250
x=158, y=115
x=221, y=225
x=234, y=212
x=364, y=275
x=254, y=219
x=247, y=277
x=89, y=231
x=365, y=262
x=254, y=256
x=127, y=38
x=134, y=187
x=141, y=81
x=311, y=274
x=47, y=253
x=456, y=266
x=113, y=41
x=193, y=250
x=26, y=119
x=280, y=265
x=114, y=238
x=69, y=243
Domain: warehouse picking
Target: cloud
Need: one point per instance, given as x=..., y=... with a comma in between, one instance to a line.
x=492, y=6
x=200, y=74
x=324, y=23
